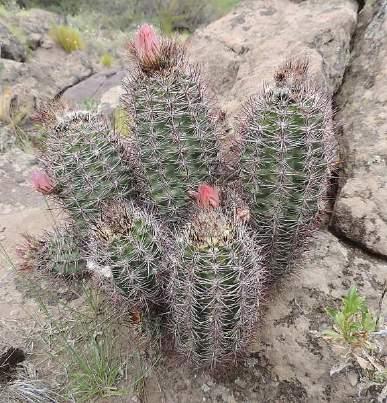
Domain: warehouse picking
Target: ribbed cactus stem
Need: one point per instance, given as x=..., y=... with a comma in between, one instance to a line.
x=173, y=126
x=216, y=287
x=287, y=154
x=58, y=252
x=87, y=164
x=130, y=242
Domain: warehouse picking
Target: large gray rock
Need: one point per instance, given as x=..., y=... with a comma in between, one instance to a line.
x=35, y=21
x=244, y=48
x=104, y=88
x=290, y=339
x=49, y=70
x=26, y=85
x=10, y=47
x=361, y=213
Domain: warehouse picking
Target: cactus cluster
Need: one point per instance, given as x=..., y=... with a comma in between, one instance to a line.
x=157, y=215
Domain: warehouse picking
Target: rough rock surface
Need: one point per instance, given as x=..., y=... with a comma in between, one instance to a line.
x=10, y=46
x=104, y=88
x=242, y=49
x=21, y=210
x=361, y=213
x=48, y=71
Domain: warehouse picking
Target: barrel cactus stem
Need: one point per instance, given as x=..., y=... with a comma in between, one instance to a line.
x=130, y=243
x=216, y=286
x=174, y=128
x=286, y=162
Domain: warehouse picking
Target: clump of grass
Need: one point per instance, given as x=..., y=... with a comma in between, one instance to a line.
x=352, y=323
x=355, y=329
x=90, y=104
x=89, y=345
x=67, y=37
x=96, y=369
x=14, y=115
x=106, y=60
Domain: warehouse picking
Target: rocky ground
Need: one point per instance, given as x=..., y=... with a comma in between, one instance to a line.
x=346, y=42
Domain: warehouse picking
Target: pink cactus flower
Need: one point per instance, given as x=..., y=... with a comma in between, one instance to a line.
x=41, y=182
x=207, y=196
x=146, y=43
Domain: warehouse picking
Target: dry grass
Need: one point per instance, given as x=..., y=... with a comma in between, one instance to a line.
x=67, y=38
x=107, y=60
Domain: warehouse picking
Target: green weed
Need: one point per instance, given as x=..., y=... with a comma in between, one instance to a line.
x=352, y=323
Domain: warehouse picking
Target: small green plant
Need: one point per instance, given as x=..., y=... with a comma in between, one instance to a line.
x=67, y=37
x=90, y=104
x=106, y=60
x=352, y=323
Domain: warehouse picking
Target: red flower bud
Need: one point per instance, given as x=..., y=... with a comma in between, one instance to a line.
x=41, y=182
x=146, y=43
x=207, y=196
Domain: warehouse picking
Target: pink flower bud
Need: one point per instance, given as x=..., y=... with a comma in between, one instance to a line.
x=146, y=43
x=41, y=182
x=207, y=196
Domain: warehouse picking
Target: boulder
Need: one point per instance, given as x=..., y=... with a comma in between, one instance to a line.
x=360, y=213
x=26, y=85
x=104, y=88
x=35, y=24
x=242, y=49
x=49, y=70
x=10, y=46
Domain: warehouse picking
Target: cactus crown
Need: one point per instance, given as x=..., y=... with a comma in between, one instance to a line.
x=215, y=285
x=153, y=54
x=175, y=133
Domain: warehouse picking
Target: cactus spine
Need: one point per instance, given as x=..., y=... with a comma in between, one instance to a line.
x=87, y=165
x=57, y=252
x=174, y=130
x=287, y=151
x=129, y=241
x=215, y=289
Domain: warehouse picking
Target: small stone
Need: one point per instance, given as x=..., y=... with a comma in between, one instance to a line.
x=34, y=41
x=205, y=388
x=352, y=378
x=241, y=383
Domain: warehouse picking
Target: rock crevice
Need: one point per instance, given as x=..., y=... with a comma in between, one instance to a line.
x=360, y=214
